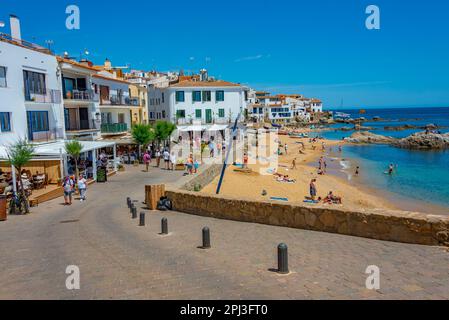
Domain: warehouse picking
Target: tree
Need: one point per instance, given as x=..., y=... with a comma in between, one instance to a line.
x=163, y=130
x=74, y=149
x=19, y=154
x=142, y=134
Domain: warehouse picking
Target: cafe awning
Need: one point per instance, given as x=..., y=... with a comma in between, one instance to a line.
x=218, y=127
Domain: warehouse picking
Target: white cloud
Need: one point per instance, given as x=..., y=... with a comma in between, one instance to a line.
x=259, y=56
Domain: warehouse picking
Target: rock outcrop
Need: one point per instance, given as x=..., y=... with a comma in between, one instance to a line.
x=424, y=140
x=369, y=137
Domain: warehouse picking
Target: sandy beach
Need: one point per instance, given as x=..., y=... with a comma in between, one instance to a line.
x=252, y=185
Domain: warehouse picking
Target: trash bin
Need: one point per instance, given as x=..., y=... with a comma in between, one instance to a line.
x=3, y=216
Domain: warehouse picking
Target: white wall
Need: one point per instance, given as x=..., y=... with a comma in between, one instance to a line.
x=12, y=98
x=234, y=102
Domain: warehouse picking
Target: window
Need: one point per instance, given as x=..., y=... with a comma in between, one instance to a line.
x=206, y=96
x=38, y=120
x=2, y=77
x=5, y=122
x=163, y=114
x=196, y=96
x=180, y=114
x=163, y=97
x=180, y=96
x=221, y=113
x=34, y=82
x=198, y=114
x=219, y=96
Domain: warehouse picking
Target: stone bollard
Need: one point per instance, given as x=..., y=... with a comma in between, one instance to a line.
x=134, y=212
x=164, y=226
x=283, y=259
x=206, y=238
x=128, y=202
x=142, y=219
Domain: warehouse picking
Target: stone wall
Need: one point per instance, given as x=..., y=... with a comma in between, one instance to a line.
x=399, y=226
x=204, y=177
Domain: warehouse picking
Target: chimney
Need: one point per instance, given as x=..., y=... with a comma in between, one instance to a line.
x=203, y=75
x=107, y=64
x=15, y=27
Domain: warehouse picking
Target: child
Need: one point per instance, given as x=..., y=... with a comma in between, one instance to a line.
x=82, y=187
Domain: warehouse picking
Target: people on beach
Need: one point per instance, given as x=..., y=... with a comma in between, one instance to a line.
x=158, y=158
x=68, y=186
x=190, y=164
x=82, y=188
x=332, y=199
x=313, y=190
x=245, y=161
x=293, y=164
x=357, y=171
x=286, y=148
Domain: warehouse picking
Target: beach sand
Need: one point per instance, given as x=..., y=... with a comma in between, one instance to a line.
x=251, y=186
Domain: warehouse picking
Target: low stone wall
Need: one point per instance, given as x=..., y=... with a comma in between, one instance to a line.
x=399, y=226
x=204, y=177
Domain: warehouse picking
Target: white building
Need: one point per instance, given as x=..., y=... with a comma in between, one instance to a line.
x=81, y=100
x=115, y=103
x=30, y=95
x=203, y=102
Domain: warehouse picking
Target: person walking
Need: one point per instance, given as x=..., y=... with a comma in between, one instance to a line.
x=158, y=158
x=147, y=160
x=68, y=186
x=166, y=156
x=173, y=160
x=82, y=187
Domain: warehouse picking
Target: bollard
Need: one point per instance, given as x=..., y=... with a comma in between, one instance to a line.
x=134, y=212
x=142, y=219
x=128, y=202
x=164, y=226
x=206, y=238
x=283, y=259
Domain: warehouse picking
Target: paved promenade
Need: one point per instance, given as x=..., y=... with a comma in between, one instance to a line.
x=119, y=260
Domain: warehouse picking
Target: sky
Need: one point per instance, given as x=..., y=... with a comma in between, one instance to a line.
x=318, y=48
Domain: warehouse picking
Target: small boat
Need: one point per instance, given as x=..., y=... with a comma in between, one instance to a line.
x=275, y=125
x=342, y=115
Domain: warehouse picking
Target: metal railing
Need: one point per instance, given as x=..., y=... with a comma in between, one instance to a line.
x=47, y=136
x=81, y=95
x=114, y=127
x=8, y=38
x=51, y=96
x=93, y=126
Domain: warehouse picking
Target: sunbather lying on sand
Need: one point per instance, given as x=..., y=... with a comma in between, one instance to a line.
x=332, y=199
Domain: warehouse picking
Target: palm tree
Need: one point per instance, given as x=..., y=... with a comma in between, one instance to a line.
x=142, y=134
x=74, y=149
x=19, y=154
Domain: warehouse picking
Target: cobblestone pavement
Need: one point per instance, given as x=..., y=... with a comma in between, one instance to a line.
x=119, y=260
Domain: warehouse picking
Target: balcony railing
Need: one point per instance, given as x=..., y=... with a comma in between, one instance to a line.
x=121, y=101
x=114, y=128
x=51, y=96
x=85, y=126
x=80, y=95
x=8, y=38
x=47, y=136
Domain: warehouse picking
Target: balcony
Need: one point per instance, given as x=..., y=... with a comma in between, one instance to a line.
x=80, y=95
x=51, y=96
x=52, y=134
x=114, y=128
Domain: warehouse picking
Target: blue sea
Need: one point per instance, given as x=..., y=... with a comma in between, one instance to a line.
x=421, y=176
